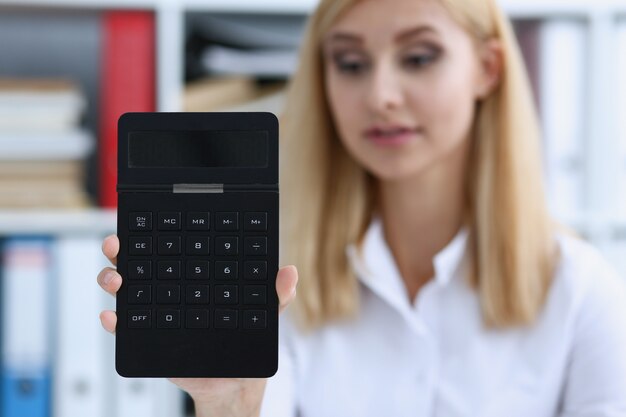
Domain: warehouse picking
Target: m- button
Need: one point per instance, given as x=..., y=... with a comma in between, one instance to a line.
x=169, y=221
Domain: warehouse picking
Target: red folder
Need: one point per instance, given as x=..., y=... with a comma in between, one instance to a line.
x=127, y=85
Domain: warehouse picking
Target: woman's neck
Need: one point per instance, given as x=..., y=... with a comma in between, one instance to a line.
x=421, y=216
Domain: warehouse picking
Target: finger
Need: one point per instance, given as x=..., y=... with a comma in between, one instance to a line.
x=286, y=282
x=110, y=280
x=111, y=247
x=108, y=319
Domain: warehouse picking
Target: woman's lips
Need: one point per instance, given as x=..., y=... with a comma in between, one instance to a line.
x=391, y=136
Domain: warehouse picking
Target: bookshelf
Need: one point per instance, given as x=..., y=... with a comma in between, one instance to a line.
x=600, y=214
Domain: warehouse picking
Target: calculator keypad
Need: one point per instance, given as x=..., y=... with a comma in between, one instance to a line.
x=206, y=270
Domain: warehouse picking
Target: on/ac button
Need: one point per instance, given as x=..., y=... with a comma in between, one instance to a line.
x=140, y=221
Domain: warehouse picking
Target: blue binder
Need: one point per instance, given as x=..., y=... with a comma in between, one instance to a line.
x=25, y=312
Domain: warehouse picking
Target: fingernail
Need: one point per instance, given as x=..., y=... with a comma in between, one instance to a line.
x=108, y=277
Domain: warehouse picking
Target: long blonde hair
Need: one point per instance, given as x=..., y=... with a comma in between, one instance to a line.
x=329, y=199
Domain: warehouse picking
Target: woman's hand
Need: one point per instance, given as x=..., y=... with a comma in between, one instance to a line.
x=212, y=396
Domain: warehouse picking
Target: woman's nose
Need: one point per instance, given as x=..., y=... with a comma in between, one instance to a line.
x=385, y=92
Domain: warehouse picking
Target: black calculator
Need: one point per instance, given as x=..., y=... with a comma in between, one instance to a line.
x=198, y=229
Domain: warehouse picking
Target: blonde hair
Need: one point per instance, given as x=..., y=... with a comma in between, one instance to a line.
x=329, y=199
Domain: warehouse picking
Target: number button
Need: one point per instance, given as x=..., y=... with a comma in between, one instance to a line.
x=226, y=222
x=139, y=294
x=169, y=245
x=168, y=319
x=139, y=269
x=226, y=270
x=168, y=270
x=255, y=270
x=140, y=221
x=197, y=270
x=197, y=245
x=226, y=246
x=140, y=245
x=256, y=246
x=255, y=222
x=197, y=221
x=225, y=294
x=169, y=221
x=225, y=319
x=197, y=294
x=168, y=294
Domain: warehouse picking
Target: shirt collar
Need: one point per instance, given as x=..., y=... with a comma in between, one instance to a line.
x=375, y=266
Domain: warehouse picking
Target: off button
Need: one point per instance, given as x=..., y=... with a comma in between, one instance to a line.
x=139, y=319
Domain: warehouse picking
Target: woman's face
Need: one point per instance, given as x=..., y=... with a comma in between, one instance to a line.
x=402, y=79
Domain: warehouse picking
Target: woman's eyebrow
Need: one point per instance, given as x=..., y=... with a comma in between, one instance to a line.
x=343, y=37
x=414, y=31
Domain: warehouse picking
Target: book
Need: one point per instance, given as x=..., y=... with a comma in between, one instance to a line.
x=75, y=143
x=128, y=85
x=263, y=63
x=40, y=104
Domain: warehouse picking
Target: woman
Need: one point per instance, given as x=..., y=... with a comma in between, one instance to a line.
x=433, y=280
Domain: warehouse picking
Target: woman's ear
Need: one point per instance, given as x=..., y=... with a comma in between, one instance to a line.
x=491, y=62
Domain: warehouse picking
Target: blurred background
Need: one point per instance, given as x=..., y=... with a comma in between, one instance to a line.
x=69, y=68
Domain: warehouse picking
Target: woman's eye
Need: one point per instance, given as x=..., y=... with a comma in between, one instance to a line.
x=350, y=66
x=415, y=61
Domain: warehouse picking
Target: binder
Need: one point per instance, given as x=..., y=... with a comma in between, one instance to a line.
x=128, y=85
x=562, y=86
x=26, y=308
x=79, y=376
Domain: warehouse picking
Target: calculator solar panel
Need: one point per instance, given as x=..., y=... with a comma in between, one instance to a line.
x=198, y=228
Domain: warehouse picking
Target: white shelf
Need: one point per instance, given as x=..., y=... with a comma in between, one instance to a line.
x=57, y=222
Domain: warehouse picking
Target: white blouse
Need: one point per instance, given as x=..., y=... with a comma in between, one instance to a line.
x=434, y=357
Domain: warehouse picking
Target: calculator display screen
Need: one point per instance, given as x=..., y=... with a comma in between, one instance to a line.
x=198, y=149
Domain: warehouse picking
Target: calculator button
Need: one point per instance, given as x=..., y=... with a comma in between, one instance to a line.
x=168, y=319
x=226, y=221
x=140, y=245
x=197, y=270
x=226, y=270
x=139, y=269
x=197, y=294
x=226, y=319
x=225, y=294
x=197, y=319
x=255, y=270
x=198, y=221
x=168, y=270
x=226, y=246
x=139, y=319
x=255, y=246
x=168, y=294
x=169, y=221
x=139, y=294
x=197, y=245
x=255, y=294
x=254, y=319
x=169, y=245
x=140, y=221
x=255, y=222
